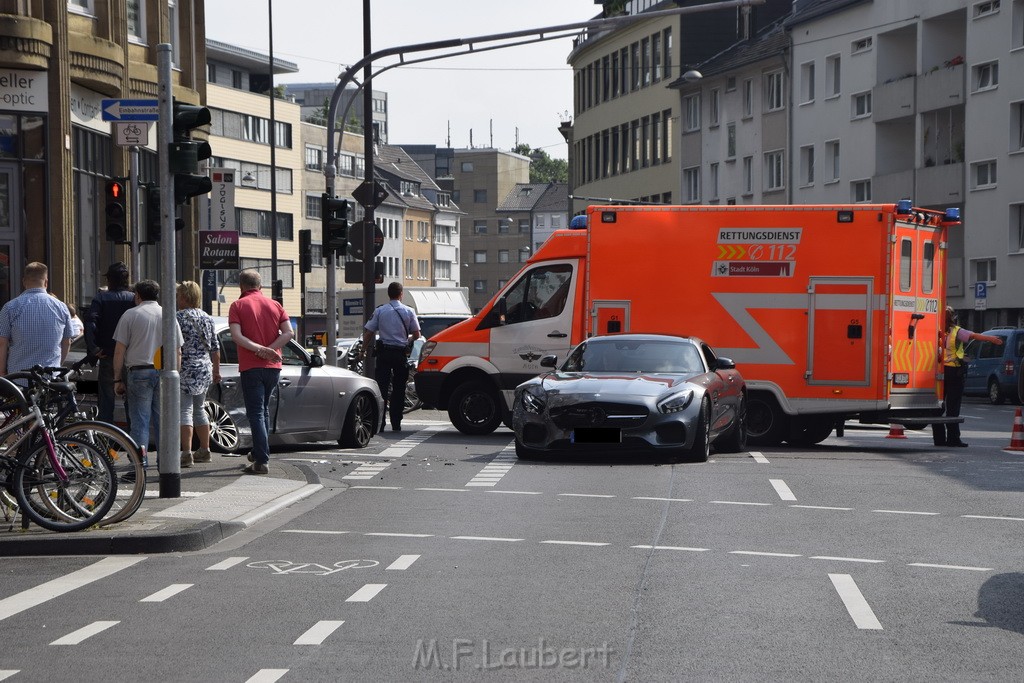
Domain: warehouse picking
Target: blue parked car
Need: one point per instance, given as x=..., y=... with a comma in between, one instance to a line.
x=995, y=371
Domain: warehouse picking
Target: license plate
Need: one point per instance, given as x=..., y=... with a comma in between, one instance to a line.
x=596, y=435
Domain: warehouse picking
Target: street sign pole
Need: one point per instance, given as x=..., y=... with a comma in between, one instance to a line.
x=170, y=383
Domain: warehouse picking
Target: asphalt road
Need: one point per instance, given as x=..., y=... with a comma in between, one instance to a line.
x=433, y=555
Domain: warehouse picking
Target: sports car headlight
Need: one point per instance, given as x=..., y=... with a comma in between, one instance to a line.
x=534, y=400
x=676, y=402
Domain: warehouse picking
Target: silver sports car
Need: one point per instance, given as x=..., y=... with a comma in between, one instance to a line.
x=633, y=392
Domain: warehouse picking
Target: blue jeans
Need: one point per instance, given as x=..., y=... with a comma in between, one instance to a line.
x=258, y=386
x=144, y=405
x=105, y=396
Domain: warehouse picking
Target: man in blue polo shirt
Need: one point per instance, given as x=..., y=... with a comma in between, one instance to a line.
x=397, y=326
x=35, y=327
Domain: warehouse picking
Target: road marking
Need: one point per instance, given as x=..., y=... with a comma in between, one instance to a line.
x=75, y=637
x=7, y=673
x=819, y=507
x=522, y=493
x=856, y=605
x=226, y=564
x=846, y=559
x=368, y=470
x=396, y=535
x=1006, y=519
x=906, y=512
x=403, y=562
x=759, y=458
x=667, y=500
x=366, y=593
x=757, y=552
x=168, y=592
x=497, y=468
x=669, y=547
x=445, y=490
x=574, y=543
x=587, y=495
x=19, y=602
x=782, y=489
x=313, y=531
x=950, y=566
x=377, y=488
x=318, y=633
x=485, y=538
x=737, y=502
x=267, y=675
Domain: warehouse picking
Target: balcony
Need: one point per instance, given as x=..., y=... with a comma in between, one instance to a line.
x=892, y=187
x=940, y=88
x=893, y=100
x=940, y=186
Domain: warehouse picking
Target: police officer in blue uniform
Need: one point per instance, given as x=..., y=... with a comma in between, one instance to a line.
x=397, y=328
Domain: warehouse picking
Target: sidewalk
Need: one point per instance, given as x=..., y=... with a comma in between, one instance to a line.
x=217, y=500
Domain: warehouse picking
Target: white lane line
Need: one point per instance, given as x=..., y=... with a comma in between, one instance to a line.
x=366, y=593
x=226, y=564
x=521, y=493
x=397, y=535
x=906, y=512
x=368, y=471
x=587, y=495
x=782, y=489
x=19, y=602
x=445, y=490
x=313, y=531
x=76, y=637
x=757, y=552
x=759, y=458
x=1005, y=519
x=375, y=488
x=7, y=673
x=403, y=562
x=497, y=468
x=574, y=543
x=318, y=633
x=950, y=566
x=856, y=605
x=267, y=676
x=485, y=538
x=669, y=547
x=819, y=507
x=168, y=592
x=738, y=502
x=846, y=559
x=667, y=500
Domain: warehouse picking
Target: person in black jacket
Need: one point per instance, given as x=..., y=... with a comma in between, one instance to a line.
x=104, y=313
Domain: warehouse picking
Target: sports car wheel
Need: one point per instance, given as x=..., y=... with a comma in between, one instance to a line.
x=735, y=440
x=360, y=423
x=766, y=424
x=995, y=393
x=473, y=409
x=223, y=430
x=701, y=449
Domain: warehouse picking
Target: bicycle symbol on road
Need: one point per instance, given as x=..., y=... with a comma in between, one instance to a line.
x=282, y=567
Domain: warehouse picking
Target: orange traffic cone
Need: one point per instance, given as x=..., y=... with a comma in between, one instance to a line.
x=1017, y=437
x=896, y=432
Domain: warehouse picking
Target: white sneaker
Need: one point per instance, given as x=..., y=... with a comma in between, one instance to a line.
x=186, y=459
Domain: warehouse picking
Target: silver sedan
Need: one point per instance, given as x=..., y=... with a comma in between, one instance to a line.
x=633, y=392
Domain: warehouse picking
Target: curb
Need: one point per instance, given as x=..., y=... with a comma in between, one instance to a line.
x=196, y=537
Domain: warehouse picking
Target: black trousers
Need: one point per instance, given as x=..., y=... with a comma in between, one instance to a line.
x=953, y=396
x=392, y=374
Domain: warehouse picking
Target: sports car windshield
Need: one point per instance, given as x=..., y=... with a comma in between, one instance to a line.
x=634, y=356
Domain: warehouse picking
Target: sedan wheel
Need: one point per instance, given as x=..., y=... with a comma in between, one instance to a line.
x=473, y=409
x=223, y=430
x=995, y=393
x=360, y=423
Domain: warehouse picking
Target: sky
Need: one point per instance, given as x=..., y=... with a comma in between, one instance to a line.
x=492, y=96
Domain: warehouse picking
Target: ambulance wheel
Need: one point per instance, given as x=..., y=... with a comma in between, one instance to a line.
x=808, y=431
x=473, y=408
x=766, y=424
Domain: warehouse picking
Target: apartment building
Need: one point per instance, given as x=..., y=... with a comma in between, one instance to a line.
x=535, y=210
x=314, y=98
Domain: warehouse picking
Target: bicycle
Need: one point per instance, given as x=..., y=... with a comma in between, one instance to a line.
x=60, y=484
x=59, y=404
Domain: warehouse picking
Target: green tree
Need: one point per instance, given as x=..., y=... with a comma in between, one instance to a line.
x=544, y=169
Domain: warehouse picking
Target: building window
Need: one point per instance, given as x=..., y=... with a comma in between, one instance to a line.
x=479, y=286
x=730, y=141
x=860, y=191
x=862, y=45
x=807, y=82
x=713, y=181
x=861, y=105
x=666, y=41
x=773, y=99
x=1017, y=24
x=236, y=79
x=984, y=9
x=691, y=184
x=645, y=60
x=656, y=56
x=442, y=234
x=666, y=135
x=634, y=61
x=255, y=223
x=983, y=175
x=1017, y=126
x=136, y=13
x=83, y=6
x=313, y=208
x=748, y=175
x=480, y=196
x=480, y=227
x=730, y=84
x=773, y=169
x=211, y=73
x=314, y=158
x=503, y=256
x=467, y=166
x=524, y=226
x=832, y=158
x=1017, y=227
x=748, y=98
x=713, y=108
x=833, y=71
x=443, y=270
x=986, y=76
x=985, y=270
x=692, y=106
x=423, y=231
x=807, y=165
x=409, y=231
x=556, y=221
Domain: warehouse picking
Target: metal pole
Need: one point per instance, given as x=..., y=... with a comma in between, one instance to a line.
x=369, y=286
x=273, y=159
x=134, y=233
x=170, y=382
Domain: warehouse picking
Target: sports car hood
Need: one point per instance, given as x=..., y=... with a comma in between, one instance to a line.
x=575, y=383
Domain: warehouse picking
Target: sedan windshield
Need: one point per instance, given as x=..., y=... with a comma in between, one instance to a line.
x=633, y=356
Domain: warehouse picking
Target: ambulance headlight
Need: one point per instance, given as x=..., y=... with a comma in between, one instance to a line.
x=427, y=349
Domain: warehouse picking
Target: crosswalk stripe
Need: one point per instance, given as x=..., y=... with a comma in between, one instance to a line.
x=76, y=637
x=32, y=597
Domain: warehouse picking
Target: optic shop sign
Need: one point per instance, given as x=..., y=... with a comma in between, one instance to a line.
x=756, y=252
x=23, y=90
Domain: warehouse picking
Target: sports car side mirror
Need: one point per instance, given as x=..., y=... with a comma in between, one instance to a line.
x=549, y=361
x=724, y=364
x=316, y=361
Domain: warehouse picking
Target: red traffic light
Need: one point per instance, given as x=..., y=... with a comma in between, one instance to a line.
x=115, y=189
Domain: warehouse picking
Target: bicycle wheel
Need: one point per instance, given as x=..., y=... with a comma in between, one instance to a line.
x=126, y=458
x=76, y=503
x=12, y=409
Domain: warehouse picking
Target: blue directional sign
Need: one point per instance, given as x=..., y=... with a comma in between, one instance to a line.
x=980, y=290
x=131, y=110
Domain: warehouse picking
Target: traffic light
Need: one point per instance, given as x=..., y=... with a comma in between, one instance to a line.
x=115, y=195
x=151, y=214
x=334, y=213
x=277, y=291
x=185, y=153
x=305, y=251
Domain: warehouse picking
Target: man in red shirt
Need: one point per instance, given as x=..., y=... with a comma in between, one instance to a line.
x=260, y=328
